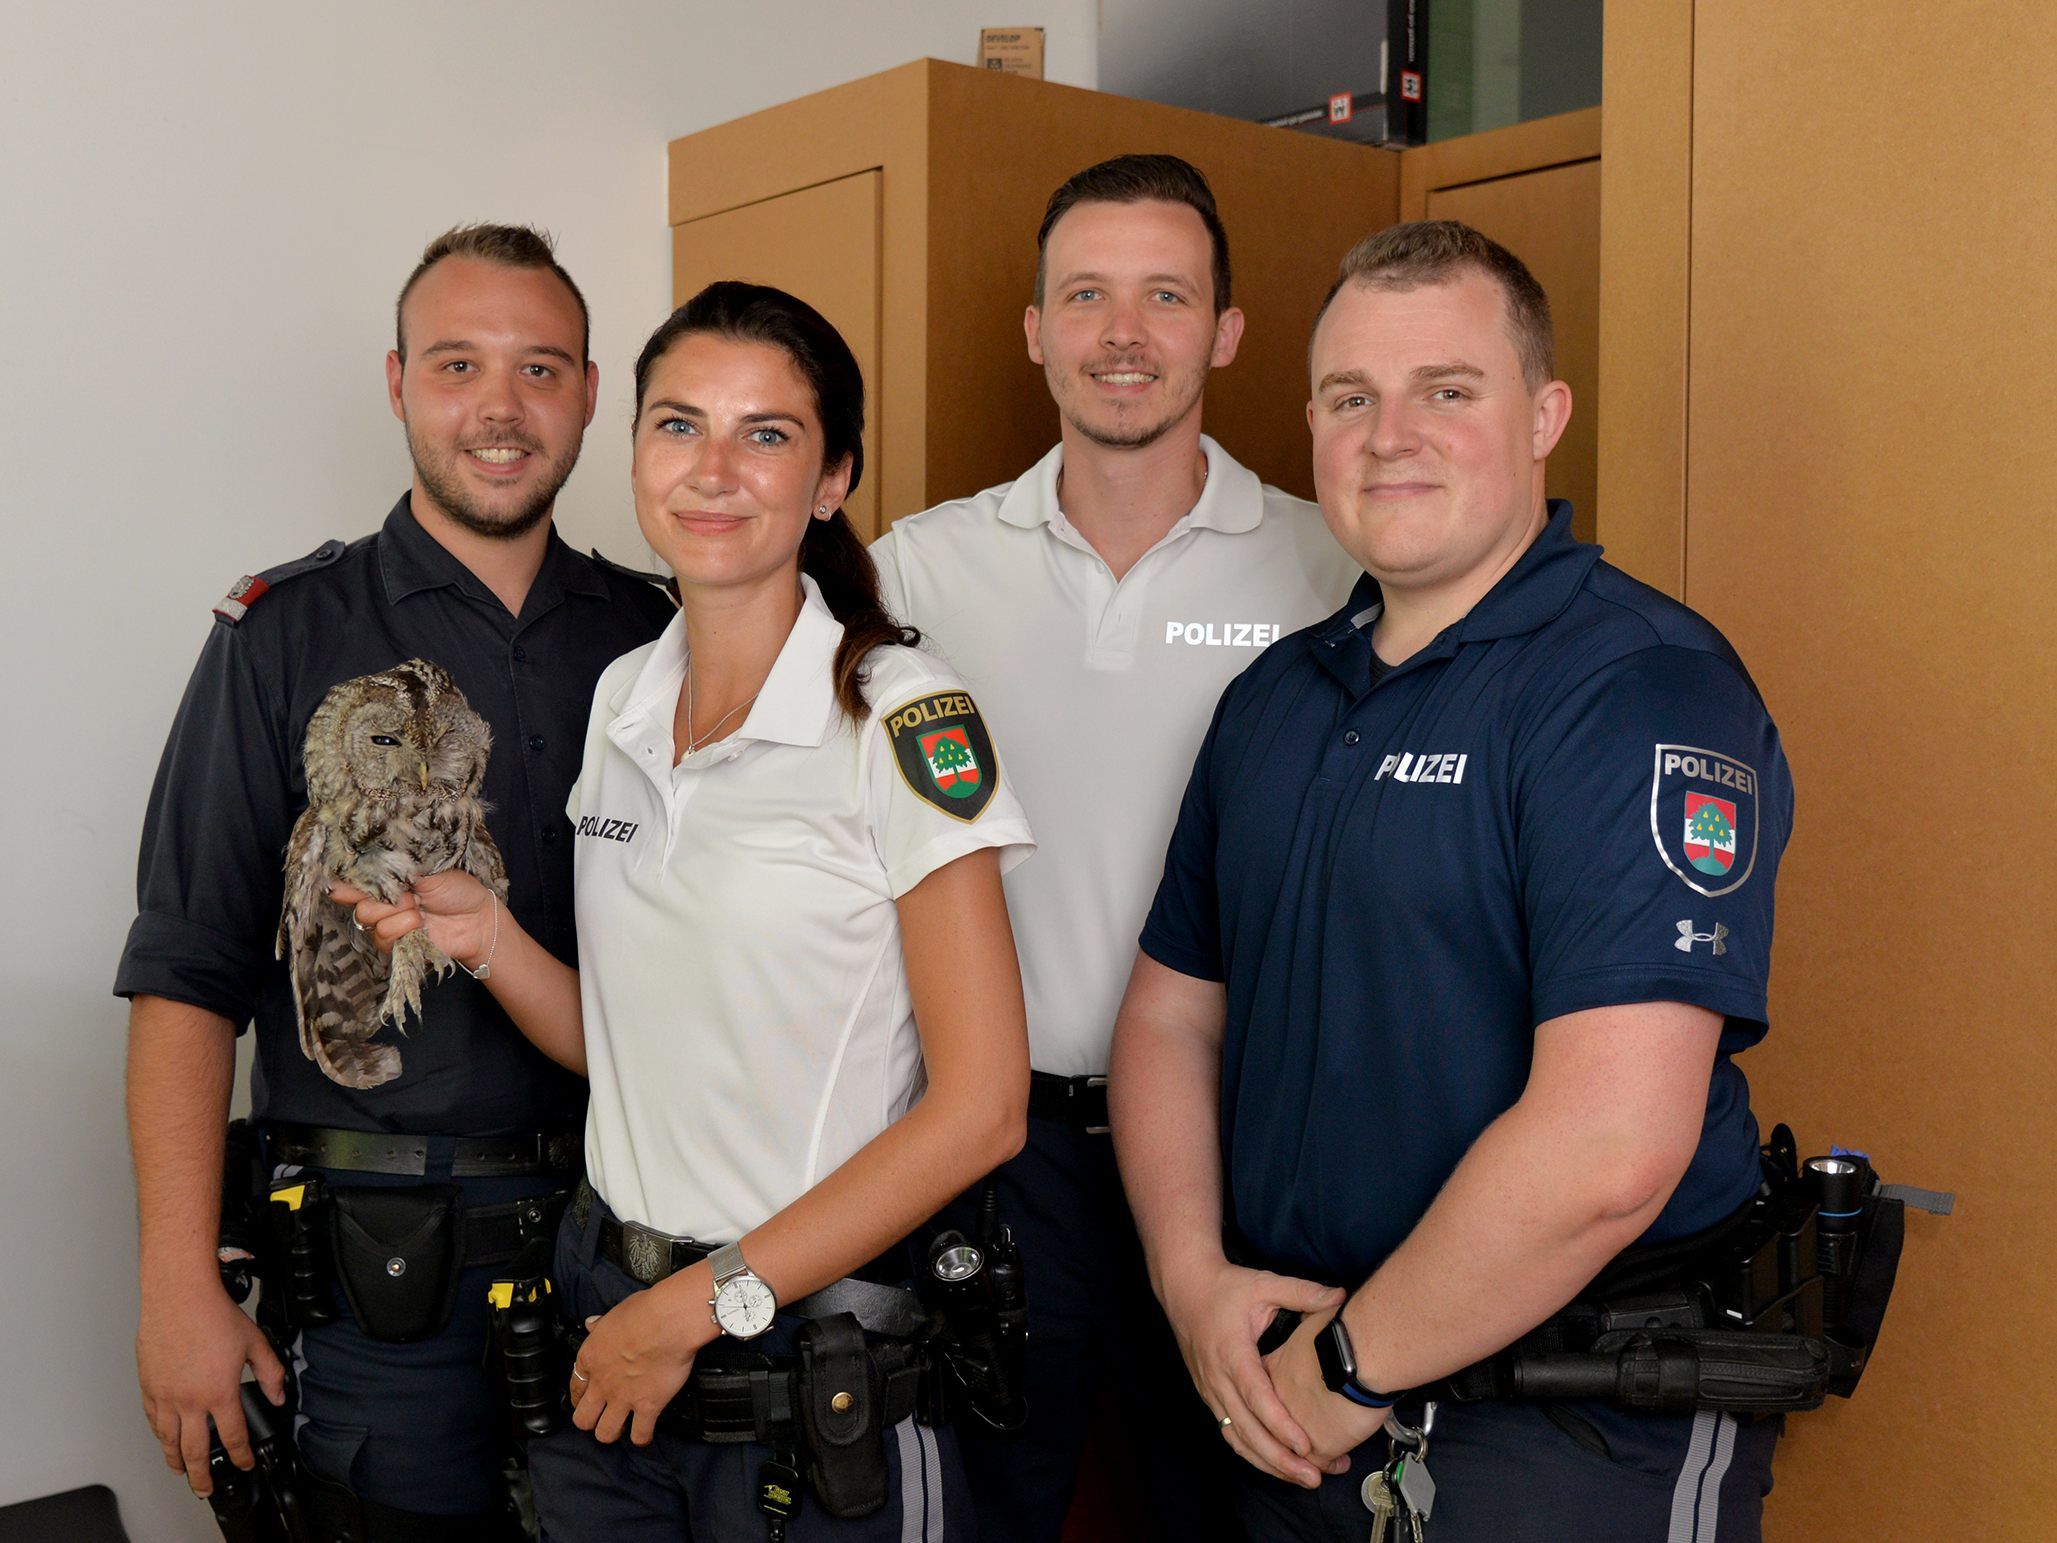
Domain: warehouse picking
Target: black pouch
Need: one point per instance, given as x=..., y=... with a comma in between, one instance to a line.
x=841, y=1403
x=398, y=1254
x=1871, y=1286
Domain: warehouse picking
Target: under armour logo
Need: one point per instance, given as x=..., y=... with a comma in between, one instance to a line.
x=1687, y=937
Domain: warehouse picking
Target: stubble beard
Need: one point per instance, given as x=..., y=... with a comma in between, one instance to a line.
x=440, y=479
x=1123, y=435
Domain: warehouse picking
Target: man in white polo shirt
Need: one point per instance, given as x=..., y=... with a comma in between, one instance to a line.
x=1097, y=606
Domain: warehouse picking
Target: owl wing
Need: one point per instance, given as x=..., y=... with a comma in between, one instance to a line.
x=482, y=860
x=338, y=976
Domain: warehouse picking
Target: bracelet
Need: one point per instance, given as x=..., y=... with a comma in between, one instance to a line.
x=487, y=968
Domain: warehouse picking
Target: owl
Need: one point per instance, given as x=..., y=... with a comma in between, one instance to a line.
x=394, y=763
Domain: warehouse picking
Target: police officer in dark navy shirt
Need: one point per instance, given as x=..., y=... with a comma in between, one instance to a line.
x=1468, y=908
x=491, y=379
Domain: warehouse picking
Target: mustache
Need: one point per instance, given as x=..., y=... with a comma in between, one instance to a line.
x=510, y=441
x=1122, y=366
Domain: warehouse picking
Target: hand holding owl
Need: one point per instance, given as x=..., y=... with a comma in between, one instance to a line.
x=454, y=909
x=394, y=763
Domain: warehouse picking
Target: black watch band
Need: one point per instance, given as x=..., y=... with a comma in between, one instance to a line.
x=1338, y=1360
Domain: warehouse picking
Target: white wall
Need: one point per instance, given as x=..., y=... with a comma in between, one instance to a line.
x=205, y=209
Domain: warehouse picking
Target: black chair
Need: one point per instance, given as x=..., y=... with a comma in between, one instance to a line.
x=86, y=1515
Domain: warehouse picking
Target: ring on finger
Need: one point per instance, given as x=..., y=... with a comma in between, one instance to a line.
x=1225, y=1422
x=580, y=1375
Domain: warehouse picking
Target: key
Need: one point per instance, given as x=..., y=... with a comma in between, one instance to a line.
x=1377, y=1496
x=1416, y=1487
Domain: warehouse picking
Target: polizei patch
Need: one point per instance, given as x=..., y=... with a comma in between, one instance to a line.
x=944, y=753
x=1703, y=817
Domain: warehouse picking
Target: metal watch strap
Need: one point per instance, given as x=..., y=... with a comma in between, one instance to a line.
x=727, y=1261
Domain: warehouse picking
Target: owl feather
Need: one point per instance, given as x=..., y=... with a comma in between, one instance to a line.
x=394, y=763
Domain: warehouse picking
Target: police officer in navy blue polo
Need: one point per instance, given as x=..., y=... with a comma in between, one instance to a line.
x=1468, y=910
x=491, y=378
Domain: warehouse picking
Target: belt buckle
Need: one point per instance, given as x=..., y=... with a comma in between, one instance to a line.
x=1090, y=1084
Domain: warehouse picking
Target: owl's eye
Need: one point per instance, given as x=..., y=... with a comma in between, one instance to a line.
x=384, y=739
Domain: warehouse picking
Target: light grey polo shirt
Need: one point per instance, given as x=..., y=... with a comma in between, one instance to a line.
x=1098, y=694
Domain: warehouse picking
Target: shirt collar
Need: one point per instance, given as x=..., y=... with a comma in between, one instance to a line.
x=796, y=705
x=411, y=560
x=1232, y=501
x=1531, y=594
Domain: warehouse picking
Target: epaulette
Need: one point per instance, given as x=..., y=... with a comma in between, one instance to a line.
x=668, y=585
x=252, y=587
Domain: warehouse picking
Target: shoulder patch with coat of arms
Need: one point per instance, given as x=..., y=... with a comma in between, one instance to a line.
x=1703, y=817
x=944, y=754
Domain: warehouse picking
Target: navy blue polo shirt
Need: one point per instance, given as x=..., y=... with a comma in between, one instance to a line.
x=210, y=878
x=1573, y=798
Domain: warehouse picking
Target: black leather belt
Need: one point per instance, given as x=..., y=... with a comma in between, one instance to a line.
x=1080, y=1102
x=649, y=1256
x=532, y=1153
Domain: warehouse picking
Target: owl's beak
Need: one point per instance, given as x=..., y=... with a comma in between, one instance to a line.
x=424, y=776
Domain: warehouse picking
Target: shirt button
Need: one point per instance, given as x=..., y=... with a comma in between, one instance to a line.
x=1350, y=736
x=549, y=835
x=536, y=742
x=520, y=654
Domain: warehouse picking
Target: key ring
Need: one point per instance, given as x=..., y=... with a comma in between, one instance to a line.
x=1400, y=1431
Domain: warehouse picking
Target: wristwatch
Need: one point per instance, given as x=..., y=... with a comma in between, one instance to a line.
x=744, y=1305
x=1338, y=1360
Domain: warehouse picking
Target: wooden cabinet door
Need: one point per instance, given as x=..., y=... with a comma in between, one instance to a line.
x=822, y=244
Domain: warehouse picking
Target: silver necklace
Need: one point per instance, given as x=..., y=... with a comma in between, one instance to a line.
x=693, y=744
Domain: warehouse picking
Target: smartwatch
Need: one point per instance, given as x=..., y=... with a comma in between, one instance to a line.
x=1338, y=1359
x=744, y=1305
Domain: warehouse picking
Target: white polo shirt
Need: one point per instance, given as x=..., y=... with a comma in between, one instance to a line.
x=1101, y=693
x=748, y=1024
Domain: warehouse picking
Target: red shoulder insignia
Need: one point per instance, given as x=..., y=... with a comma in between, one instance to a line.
x=243, y=594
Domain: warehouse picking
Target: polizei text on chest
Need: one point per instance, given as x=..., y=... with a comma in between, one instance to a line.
x=608, y=830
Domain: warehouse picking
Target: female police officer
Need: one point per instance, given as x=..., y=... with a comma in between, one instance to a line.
x=791, y=829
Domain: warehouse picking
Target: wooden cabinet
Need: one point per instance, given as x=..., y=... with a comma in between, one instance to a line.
x=904, y=206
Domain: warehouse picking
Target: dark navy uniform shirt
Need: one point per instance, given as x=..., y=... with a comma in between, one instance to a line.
x=209, y=882
x=1573, y=798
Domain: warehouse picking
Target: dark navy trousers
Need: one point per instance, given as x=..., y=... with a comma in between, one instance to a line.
x=1097, y=1342
x=1521, y=1473
x=677, y=1489
x=416, y=1426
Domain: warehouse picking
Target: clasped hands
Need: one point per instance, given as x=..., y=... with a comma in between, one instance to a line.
x=1274, y=1410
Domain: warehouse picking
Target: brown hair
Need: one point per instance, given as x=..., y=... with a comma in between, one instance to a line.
x=1136, y=179
x=830, y=553
x=511, y=246
x=1423, y=252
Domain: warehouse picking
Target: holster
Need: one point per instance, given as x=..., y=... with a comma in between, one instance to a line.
x=398, y=1254
x=840, y=1405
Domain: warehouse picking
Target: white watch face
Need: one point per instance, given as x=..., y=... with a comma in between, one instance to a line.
x=744, y=1307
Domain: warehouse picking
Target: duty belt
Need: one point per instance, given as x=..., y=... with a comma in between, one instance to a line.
x=650, y=1256
x=1080, y=1102
x=531, y=1153
x=761, y=1403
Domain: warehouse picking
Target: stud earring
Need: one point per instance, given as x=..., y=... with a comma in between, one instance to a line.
x=821, y=508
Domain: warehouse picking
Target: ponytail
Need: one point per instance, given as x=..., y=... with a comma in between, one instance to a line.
x=832, y=556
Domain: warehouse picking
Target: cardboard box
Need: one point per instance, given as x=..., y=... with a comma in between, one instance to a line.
x=1012, y=50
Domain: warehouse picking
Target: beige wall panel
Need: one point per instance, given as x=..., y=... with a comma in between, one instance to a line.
x=1292, y=203
x=1520, y=147
x=1873, y=360
x=1551, y=220
x=1645, y=220
x=822, y=244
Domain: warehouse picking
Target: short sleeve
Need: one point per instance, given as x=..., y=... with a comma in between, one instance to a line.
x=936, y=788
x=209, y=878
x=1649, y=827
x=1183, y=929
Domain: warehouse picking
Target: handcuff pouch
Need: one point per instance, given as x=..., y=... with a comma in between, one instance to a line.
x=398, y=1254
x=841, y=1402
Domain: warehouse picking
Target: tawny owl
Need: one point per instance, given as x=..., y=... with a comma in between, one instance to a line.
x=394, y=762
